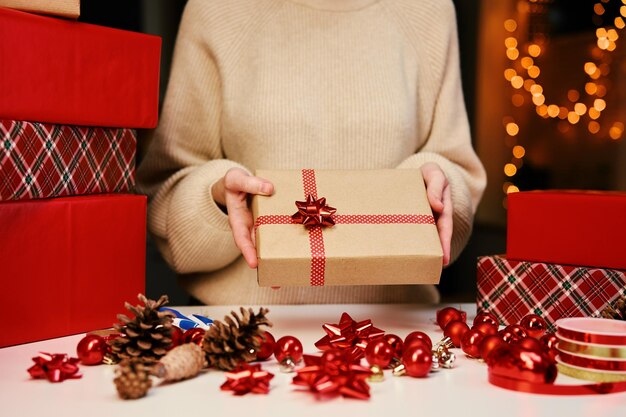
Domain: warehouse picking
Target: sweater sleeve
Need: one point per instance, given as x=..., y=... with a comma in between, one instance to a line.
x=448, y=141
x=185, y=159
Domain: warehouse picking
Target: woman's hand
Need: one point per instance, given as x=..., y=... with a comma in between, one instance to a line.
x=440, y=199
x=231, y=191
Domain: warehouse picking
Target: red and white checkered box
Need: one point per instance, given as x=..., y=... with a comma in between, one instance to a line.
x=512, y=289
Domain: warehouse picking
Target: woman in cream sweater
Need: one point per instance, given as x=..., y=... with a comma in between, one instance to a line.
x=277, y=84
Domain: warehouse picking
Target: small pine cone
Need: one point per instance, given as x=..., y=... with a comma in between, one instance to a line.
x=229, y=343
x=618, y=312
x=148, y=335
x=182, y=362
x=132, y=379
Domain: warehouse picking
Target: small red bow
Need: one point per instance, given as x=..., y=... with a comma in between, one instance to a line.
x=349, y=335
x=247, y=378
x=334, y=373
x=314, y=212
x=55, y=367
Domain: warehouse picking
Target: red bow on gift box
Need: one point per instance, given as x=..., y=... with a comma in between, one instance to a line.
x=349, y=335
x=55, y=367
x=314, y=212
x=334, y=373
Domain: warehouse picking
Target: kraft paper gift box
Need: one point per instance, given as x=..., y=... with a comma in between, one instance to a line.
x=68, y=264
x=63, y=8
x=384, y=233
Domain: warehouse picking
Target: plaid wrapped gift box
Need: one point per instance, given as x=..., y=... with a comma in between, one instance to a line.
x=39, y=160
x=512, y=289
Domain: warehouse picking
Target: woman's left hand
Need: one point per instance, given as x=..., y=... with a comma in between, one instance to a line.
x=440, y=199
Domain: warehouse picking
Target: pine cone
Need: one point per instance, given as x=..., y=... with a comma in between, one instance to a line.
x=228, y=344
x=148, y=335
x=182, y=362
x=618, y=312
x=132, y=379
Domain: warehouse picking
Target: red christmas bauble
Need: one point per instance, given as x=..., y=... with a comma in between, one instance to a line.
x=417, y=335
x=485, y=328
x=486, y=317
x=266, y=348
x=549, y=340
x=515, y=362
x=91, y=349
x=534, y=325
x=449, y=314
x=396, y=344
x=489, y=344
x=177, y=337
x=455, y=330
x=194, y=335
x=517, y=330
x=417, y=360
x=470, y=343
x=379, y=352
x=530, y=343
x=288, y=347
x=508, y=336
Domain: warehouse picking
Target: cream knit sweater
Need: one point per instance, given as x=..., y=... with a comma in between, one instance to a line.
x=290, y=84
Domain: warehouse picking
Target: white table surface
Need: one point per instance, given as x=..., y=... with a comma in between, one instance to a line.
x=455, y=392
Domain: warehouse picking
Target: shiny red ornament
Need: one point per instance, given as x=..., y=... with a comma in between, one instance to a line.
x=549, y=340
x=515, y=362
x=417, y=335
x=314, y=212
x=266, y=348
x=486, y=317
x=508, y=336
x=455, y=330
x=194, y=335
x=379, y=352
x=534, y=325
x=396, y=344
x=334, y=373
x=349, y=335
x=247, y=378
x=485, y=328
x=417, y=360
x=288, y=347
x=530, y=343
x=470, y=343
x=91, y=349
x=449, y=314
x=56, y=367
x=489, y=344
x=177, y=337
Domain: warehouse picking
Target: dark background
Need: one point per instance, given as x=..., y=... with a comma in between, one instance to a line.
x=161, y=17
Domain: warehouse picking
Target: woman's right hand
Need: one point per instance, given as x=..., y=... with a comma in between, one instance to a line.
x=231, y=191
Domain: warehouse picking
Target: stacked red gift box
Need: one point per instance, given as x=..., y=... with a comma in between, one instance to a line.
x=72, y=246
x=566, y=257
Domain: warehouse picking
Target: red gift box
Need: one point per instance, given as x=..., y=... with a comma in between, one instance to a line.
x=512, y=289
x=568, y=227
x=68, y=264
x=66, y=72
x=43, y=160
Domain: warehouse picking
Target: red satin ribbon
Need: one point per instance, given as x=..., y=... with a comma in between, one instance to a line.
x=316, y=237
x=600, y=339
x=595, y=364
x=555, y=389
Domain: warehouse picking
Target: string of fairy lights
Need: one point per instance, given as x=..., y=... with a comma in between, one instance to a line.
x=583, y=106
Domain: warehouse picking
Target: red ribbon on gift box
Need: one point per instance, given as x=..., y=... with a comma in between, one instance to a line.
x=316, y=237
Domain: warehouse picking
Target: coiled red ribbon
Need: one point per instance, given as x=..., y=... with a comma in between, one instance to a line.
x=316, y=237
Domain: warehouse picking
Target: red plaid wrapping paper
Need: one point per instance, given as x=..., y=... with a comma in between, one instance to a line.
x=512, y=289
x=40, y=160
